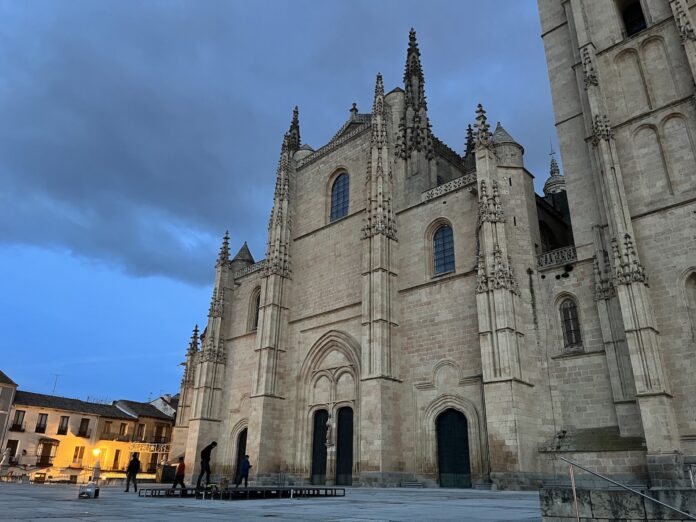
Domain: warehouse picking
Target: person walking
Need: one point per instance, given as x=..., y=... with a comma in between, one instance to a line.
x=243, y=473
x=205, y=464
x=132, y=471
x=179, y=477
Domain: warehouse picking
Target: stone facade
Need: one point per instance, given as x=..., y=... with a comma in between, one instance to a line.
x=356, y=338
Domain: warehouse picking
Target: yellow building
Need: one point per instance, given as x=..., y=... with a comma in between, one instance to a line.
x=59, y=439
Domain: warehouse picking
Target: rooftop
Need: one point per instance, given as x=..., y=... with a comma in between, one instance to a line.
x=24, y=398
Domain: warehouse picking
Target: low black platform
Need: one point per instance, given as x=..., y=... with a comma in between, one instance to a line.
x=251, y=492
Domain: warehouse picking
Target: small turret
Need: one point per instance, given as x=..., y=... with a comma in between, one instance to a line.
x=509, y=152
x=243, y=258
x=555, y=190
x=556, y=182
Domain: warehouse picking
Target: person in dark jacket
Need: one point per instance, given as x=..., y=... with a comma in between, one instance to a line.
x=205, y=464
x=131, y=472
x=243, y=473
x=180, y=472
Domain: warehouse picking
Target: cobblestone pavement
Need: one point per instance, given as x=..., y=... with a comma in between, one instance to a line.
x=60, y=502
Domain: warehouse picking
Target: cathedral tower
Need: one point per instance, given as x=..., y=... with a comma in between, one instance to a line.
x=622, y=79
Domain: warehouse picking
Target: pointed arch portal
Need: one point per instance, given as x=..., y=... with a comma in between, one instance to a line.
x=241, y=449
x=453, y=449
x=319, y=447
x=344, y=447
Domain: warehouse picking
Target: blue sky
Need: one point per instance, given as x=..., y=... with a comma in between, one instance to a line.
x=133, y=134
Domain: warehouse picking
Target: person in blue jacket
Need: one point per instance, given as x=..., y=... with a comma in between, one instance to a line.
x=243, y=473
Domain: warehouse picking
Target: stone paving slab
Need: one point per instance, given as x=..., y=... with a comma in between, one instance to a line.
x=56, y=503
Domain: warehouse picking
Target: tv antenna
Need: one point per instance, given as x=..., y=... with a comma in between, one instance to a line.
x=55, y=382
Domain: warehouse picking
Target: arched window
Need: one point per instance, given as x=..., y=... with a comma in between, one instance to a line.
x=691, y=300
x=570, y=324
x=339, y=197
x=632, y=16
x=443, y=250
x=254, y=305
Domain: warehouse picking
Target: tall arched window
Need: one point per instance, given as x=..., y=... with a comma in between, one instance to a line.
x=691, y=300
x=339, y=197
x=632, y=16
x=443, y=250
x=570, y=324
x=254, y=305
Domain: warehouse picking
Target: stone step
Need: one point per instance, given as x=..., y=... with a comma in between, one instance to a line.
x=412, y=484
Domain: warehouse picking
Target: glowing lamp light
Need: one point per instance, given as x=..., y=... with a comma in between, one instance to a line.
x=96, y=452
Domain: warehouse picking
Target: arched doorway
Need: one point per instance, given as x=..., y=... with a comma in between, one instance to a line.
x=453, y=449
x=319, y=447
x=344, y=447
x=241, y=449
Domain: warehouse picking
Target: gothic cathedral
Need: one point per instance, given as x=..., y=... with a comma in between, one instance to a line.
x=424, y=316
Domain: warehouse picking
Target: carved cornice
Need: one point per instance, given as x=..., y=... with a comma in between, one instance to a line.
x=468, y=180
x=250, y=269
x=333, y=145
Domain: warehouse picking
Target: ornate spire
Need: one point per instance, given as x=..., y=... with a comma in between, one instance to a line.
x=378, y=104
x=224, y=255
x=483, y=130
x=193, y=344
x=294, y=132
x=414, y=128
x=277, y=249
x=470, y=144
x=216, y=303
x=414, y=81
x=379, y=218
x=555, y=171
x=556, y=182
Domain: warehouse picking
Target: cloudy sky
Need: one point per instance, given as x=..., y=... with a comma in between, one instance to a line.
x=134, y=133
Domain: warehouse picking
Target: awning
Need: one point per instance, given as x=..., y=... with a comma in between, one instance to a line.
x=48, y=440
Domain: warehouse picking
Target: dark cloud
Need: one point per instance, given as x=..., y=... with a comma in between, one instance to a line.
x=135, y=133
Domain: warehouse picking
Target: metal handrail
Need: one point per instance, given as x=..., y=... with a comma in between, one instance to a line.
x=575, y=498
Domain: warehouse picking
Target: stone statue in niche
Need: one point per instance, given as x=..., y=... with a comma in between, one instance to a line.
x=329, y=431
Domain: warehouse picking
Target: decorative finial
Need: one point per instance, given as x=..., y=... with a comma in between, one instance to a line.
x=377, y=105
x=294, y=132
x=193, y=345
x=414, y=81
x=470, y=144
x=224, y=255
x=354, y=111
x=483, y=132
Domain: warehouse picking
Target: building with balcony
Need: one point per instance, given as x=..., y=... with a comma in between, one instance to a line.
x=7, y=392
x=61, y=439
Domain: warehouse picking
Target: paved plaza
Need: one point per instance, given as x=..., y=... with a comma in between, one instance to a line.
x=60, y=502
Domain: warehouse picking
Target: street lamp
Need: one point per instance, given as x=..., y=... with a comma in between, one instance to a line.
x=97, y=467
